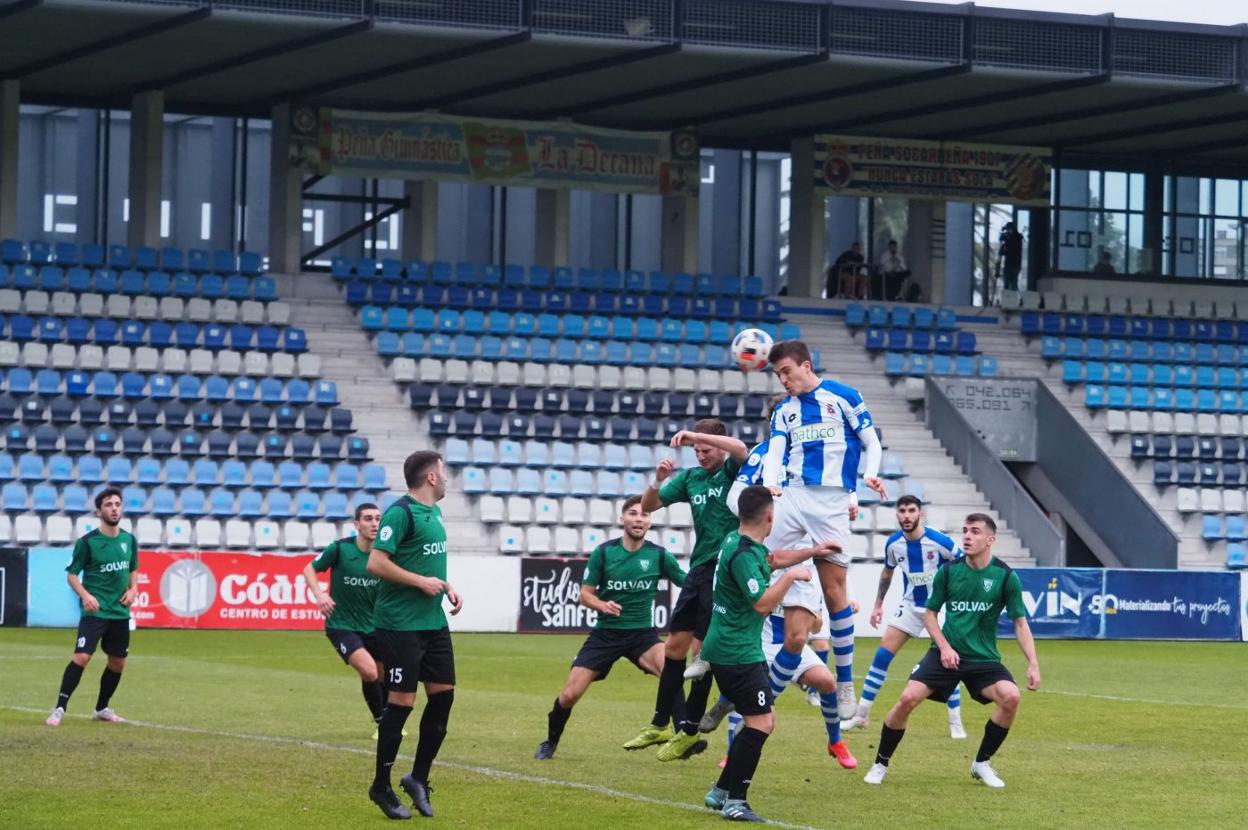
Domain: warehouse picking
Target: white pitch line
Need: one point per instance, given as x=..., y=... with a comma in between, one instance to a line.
x=1120, y=699
x=488, y=772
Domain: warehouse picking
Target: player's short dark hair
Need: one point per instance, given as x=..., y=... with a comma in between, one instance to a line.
x=908, y=499
x=795, y=350
x=710, y=426
x=107, y=492
x=418, y=465
x=368, y=505
x=753, y=502
x=985, y=520
x=629, y=502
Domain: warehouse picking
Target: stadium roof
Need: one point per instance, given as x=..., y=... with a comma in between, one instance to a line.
x=748, y=73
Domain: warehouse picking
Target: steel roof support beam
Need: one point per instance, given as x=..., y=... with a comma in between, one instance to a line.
x=826, y=95
x=940, y=107
x=20, y=6
x=257, y=55
x=410, y=65
x=1098, y=111
x=123, y=38
x=689, y=85
x=608, y=62
x=1153, y=129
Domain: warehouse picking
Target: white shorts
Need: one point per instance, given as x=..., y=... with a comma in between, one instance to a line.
x=822, y=513
x=808, y=595
x=909, y=618
x=809, y=659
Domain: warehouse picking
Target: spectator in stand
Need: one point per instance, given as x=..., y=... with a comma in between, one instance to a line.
x=1105, y=266
x=846, y=277
x=894, y=269
x=1010, y=253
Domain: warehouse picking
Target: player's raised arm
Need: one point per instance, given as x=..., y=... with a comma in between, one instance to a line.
x=777, y=445
x=736, y=449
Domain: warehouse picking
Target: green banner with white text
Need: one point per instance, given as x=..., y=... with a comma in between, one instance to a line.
x=946, y=171
x=491, y=151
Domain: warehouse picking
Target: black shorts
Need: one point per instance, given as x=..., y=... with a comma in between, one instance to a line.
x=976, y=674
x=112, y=635
x=692, y=611
x=747, y=685
x=347, y=643
x=413, y=657
x=604, y=646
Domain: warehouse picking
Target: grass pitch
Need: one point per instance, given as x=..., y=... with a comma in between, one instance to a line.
x=269, y=730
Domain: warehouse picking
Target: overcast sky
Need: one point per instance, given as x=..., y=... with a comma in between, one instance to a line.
x=1221, y=12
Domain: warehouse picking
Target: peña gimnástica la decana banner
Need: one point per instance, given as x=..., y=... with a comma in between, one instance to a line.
x=430, y=146
x=945, y=171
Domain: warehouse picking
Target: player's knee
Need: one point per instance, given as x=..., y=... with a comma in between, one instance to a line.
x=116, y=664
x=569, y=697
x=81, y=658
x=1008, y=696
x=795, y=640
x=909, y=699
x=368, y=673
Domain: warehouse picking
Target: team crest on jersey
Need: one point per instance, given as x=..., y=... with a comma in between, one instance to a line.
x=645, y=563
x=988, y=584
x=124, y=545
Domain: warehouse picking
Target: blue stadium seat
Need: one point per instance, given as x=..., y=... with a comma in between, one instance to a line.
x=1211, y=529
x=14, y=497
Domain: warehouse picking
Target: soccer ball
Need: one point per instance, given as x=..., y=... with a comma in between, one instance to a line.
x=750, y=349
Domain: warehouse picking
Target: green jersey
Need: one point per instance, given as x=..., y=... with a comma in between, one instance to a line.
x=973, y=600
x=106, y=563
x=741, y=577
x=412, y=535
x=707, y=495
x=630, y=578
x=352, y=588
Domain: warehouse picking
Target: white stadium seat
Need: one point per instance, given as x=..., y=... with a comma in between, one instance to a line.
x=567, y=540
x=296, y=536
x=149, y=532
x=323, y=533
x=59, y=530
x=510, y=539
x=207, y=533
x=268, y=535
x=177, y=533
x=27, y=530
x=237, y=533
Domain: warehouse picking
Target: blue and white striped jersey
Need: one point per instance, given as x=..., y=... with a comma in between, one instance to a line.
x=920, y=560
x=819, y=434
x=751, y=471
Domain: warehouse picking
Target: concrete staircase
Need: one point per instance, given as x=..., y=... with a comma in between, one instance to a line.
x=381, y=414
x=946, y=486
x=1021, y=358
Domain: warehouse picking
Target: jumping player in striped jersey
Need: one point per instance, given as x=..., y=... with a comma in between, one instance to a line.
x=919, y=551
x=818, y=434
x=789, y=657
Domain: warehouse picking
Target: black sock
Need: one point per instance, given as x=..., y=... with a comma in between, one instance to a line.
x=375, y=697
x=695, y=703
x=69, y=682
x=556, y=720
x=678, y=708
x=738, y=773
x=671, y=681
x=389, y=736
x=432, y=731
x=108, y=684
x=994, y=736
x=889, y=738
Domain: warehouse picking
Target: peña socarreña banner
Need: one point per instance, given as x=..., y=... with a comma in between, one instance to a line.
x=493, y=151
x=948, y=171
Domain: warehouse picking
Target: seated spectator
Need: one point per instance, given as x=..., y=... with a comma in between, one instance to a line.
x=894, y=269
x=1105, y=265
x=845, y=277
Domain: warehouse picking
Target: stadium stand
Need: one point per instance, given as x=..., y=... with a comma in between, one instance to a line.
x=1160, y=383
x=193, y=393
